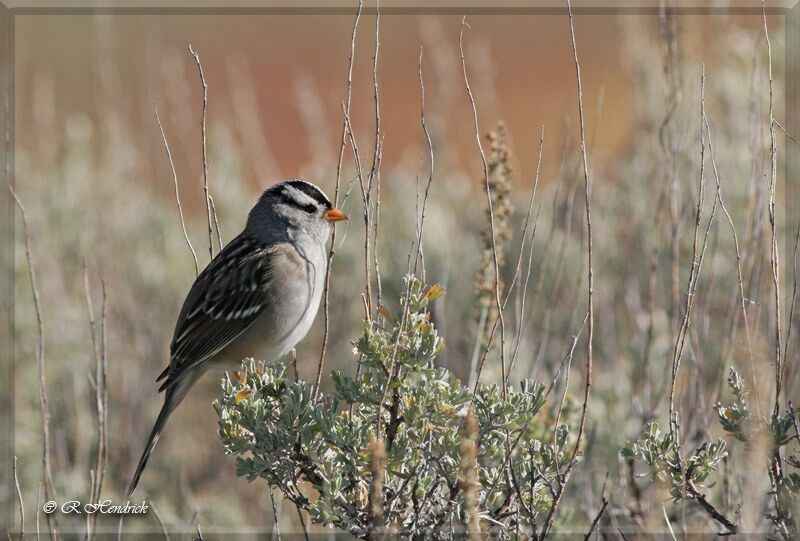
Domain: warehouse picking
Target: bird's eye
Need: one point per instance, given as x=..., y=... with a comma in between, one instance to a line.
x=310, y=208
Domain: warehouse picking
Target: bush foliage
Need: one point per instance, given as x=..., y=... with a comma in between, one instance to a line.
x=316, y=452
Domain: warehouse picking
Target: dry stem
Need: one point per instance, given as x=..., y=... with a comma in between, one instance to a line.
x=522, y=292
x=209, y=211
x=773, y=226
x=431, y=160
x=49, y=488
x=375, y=173
x=739, y=275
x=491, y=214
x=19, y=501
x=332, y=250
x=177, y=195
x=99, y=354
x=590, y=318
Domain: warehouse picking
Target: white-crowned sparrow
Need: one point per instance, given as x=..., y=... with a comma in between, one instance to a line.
x=257, y=298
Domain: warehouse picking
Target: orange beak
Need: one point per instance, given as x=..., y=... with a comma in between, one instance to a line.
x=335, y=215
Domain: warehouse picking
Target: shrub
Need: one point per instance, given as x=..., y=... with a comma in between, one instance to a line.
x=321, y=454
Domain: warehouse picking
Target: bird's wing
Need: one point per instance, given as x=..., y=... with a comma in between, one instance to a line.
x=224, y=301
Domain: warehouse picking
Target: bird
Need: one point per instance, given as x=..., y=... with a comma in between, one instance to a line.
x=256, y=298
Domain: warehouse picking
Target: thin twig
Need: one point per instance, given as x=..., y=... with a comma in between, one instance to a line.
x=524, y=289
x=431, y=163
x=332, y=250
x=568, y=360
x=773, y=151
x=177, y=195
x=590, y=318
x=794, y=299
x=49, y=488
x=38, y=507
x=597, y=517
x=694, y=272
x=99, y=356
x=669, y=524
x=742, y=298
x=205, y=159
x=711, y=510
x=786, y=133
x=782, y=515
x=375, y=173
x=491, y=212
x=216, y=223
x=698, y=256
x=19, y=500
x=366, y=201
x=276, y=527
x=159, y=520
x=302, y=521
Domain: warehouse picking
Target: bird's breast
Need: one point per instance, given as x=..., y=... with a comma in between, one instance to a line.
x=291, y=309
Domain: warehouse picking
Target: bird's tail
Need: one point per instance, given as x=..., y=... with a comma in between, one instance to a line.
x=173, y=397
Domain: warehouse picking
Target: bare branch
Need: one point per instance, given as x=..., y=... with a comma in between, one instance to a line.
x=49, y=488
x=773, y=151
x=302, y=521
x=99, y=355
x=491, y=215
x=431, y=163
x=590, y=317
x=786, y=133
x=19, y=501
x=523, y=291
x=177, y=195
x=694, y=271
x=597, y=517
x=332, y=250
x=711, y=510
x=782, y=515
x=375, y=174
x=216, y=222
x=205, y=159
x=742, y=298
x=794, y=299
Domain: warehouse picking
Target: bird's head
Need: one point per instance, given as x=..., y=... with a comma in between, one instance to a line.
x=294, y=206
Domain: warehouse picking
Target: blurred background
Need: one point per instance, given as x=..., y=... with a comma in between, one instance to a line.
x=92, y=171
